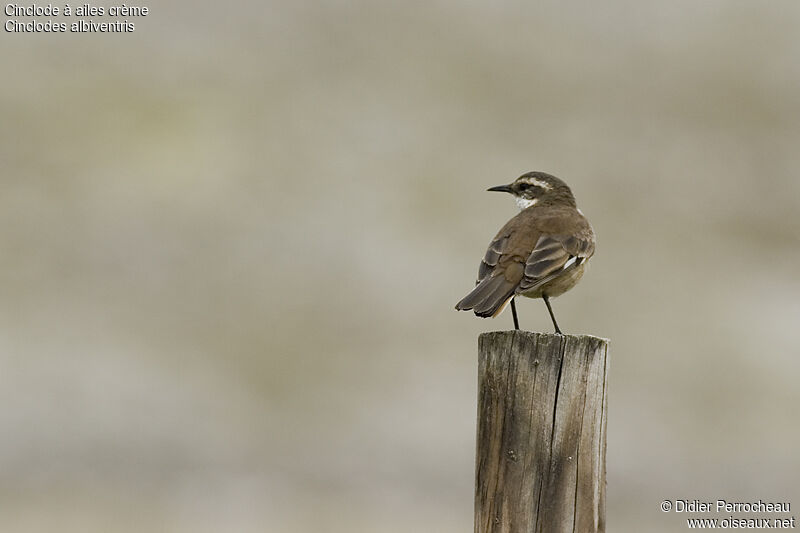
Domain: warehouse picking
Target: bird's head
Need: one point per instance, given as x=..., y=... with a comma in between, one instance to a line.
x=534, y=188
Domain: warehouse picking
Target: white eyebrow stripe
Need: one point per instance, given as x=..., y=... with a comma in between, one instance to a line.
x=539, y=183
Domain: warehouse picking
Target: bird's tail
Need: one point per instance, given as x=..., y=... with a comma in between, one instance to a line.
x=489, y=297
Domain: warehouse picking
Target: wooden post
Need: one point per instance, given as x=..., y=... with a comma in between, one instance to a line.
x=541, y=450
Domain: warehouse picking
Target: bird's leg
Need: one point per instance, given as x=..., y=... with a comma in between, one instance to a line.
x=552, y=316
x=514, y=314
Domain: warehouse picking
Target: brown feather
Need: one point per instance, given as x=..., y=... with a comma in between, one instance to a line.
x=529, y=252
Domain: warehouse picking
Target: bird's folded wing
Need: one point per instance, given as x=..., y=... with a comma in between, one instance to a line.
x=493, y=254
x=519, y=261
x=495, y=286
x=554, y=255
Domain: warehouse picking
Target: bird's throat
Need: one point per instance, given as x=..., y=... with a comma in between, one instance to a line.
x=525, y=203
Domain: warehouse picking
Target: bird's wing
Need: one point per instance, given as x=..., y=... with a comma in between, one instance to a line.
x=493, y=254
x=517, y=261
x=555, y=254
x=495, y=286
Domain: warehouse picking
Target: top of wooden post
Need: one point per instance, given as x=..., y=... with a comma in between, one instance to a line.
x=549, y=336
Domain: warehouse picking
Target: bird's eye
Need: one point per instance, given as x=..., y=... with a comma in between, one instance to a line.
x=525, y=186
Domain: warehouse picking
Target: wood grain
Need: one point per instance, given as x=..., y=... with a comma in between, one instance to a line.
x=541, y=453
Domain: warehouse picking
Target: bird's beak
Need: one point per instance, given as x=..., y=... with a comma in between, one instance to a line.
x=501, y=188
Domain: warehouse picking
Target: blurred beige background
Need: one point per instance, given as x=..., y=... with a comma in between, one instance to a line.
x=231, y=242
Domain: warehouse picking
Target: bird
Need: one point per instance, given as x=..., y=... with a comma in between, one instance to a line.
x=542, y=252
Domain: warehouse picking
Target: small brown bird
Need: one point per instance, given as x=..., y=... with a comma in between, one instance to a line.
x=540, y=253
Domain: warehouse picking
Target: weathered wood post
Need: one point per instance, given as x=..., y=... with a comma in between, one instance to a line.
x=541, y=447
